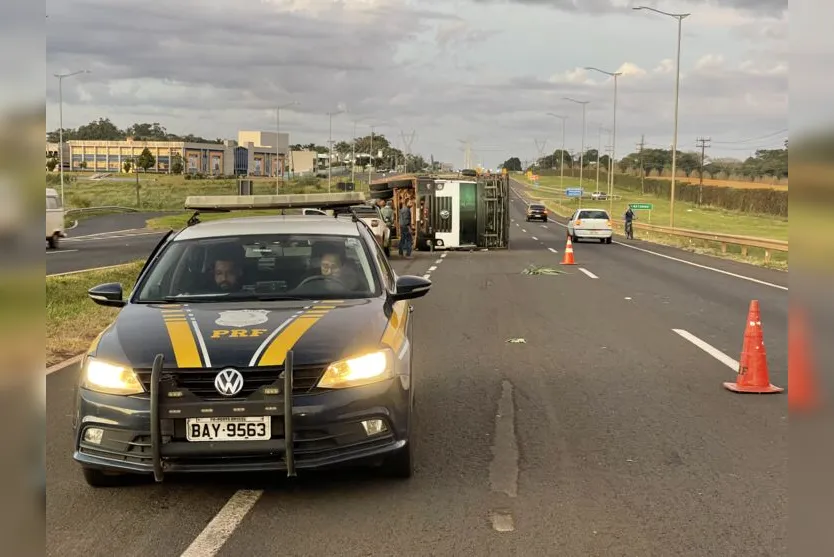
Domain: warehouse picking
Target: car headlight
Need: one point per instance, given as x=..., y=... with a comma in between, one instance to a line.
x=110, y=378
x=361, y=370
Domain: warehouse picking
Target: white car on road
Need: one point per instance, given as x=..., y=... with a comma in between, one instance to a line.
x=589, y=224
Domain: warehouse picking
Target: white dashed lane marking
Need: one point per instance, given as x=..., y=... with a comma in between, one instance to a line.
x=709, y=349
x=589, y=273
x=553, y=250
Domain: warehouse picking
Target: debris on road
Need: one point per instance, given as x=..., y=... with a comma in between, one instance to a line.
x=516, y=341
x=541, y=270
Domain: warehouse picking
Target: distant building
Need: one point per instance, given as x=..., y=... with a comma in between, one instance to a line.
x=253, y=154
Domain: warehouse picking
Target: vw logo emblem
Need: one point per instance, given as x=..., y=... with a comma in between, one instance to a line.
x=445, y=214
x=228, y=382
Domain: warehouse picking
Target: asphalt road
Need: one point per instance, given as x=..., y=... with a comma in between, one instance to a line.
x=102, y=241
x=604, y=433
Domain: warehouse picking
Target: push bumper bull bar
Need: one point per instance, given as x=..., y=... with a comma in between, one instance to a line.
x=156, y=417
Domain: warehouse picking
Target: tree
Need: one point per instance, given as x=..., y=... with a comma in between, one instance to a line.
x=146, y=159
x=51, y=164
x=177, y=165
x=127, y=164
x=512, y=164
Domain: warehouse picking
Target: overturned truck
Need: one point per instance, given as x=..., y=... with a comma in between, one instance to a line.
x=450, y=211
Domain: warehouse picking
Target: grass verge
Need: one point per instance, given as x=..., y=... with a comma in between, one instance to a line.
x=162, y=192
x=73, y=320
x=687, y=215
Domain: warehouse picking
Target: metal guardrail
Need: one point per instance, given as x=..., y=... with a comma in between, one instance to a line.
x=746, y=242
x=724, y=240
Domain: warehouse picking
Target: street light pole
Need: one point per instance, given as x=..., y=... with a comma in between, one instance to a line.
x=330, y=150
x=61, y=122
x=680, y=18
x=279, y=177
x=562, y=151
x=582, y=152
x=610, y=187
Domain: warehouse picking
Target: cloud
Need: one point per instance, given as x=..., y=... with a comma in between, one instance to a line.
x=442, y=69
x=774, y=8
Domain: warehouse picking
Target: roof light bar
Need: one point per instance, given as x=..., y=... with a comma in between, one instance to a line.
x=287, y=201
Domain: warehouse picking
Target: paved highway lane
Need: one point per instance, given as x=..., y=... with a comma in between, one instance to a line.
x=101, y=250
x=703, y=301
x=601, y=435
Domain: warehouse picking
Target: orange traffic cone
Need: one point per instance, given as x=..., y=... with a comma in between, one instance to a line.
x=752, y=369
x=802, y=388
x=568, y=257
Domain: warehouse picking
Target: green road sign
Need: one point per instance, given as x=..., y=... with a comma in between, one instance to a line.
x=641, y=206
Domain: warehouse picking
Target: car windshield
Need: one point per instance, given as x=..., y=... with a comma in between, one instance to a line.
x=262, y=267
x=593, y=215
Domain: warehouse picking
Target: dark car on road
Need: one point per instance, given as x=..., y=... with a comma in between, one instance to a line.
x=275, y=343
x=536, y=211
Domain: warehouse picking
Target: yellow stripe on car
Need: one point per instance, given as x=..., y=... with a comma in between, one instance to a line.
x=394, y=335
x=276, y=353
x=182, y=339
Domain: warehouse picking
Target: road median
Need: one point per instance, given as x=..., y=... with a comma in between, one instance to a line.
x=72, y=319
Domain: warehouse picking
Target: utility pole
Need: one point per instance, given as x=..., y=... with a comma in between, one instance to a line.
x=407, y=142
x=702, y=143
x=642, y=168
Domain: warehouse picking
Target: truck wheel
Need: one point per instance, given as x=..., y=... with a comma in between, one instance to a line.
x=98, y=478
x=54, y=240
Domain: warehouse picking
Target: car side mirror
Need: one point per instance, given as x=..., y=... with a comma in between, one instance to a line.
x=409, y=287
x=109, y=294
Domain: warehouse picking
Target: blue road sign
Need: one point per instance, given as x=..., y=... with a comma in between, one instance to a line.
x=573, y=192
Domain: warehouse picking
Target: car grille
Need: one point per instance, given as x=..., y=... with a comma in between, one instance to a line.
x=200, y=382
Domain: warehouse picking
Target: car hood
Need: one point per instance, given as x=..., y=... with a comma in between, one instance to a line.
x=209, y=335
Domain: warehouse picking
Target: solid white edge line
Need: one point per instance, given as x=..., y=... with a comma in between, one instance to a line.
x=100, y=234
x=723, y=272
x=709, y=349
x=553, y=250
x=61, y=251
x=708, y=268
x=589, y=273
x=223, y=525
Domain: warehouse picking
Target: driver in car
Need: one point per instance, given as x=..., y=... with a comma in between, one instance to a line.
x=331, y=265
x=228, y=271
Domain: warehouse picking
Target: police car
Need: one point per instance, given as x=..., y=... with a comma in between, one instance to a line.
x=274, y=343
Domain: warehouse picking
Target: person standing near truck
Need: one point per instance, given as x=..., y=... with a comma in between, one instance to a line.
x=405, y=229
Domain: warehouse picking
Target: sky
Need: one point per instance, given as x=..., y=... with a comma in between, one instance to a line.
x=485, y=72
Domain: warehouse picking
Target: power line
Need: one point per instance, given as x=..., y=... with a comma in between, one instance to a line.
x=642, y=168
x=702, y=143
x=752, y=138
